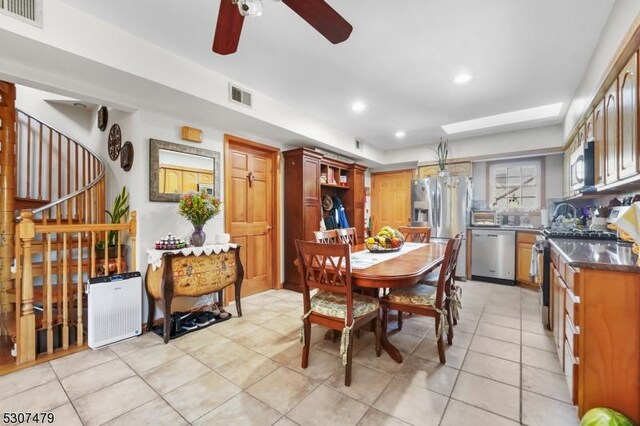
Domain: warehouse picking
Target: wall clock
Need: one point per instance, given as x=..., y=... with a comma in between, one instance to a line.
x=103, y=118
x=126, y=156
x=115, y=142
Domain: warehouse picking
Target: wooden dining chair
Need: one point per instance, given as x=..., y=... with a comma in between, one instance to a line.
x=347, y=236
x=453, y=291
x=327, y=267
x=423, y=299
x=326, y=237
x=416, y=234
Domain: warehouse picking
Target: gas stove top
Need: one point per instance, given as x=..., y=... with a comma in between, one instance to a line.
x=580, y=234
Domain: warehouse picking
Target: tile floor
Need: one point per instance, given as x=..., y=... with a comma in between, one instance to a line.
x=501, y=370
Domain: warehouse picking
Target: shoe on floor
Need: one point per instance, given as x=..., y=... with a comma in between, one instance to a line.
x=189, y=324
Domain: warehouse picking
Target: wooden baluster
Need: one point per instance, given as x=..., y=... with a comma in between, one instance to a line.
x=106, y=253
x=118, y=255
x=133, y=232
x=27, y=321
x=79, y=293
x=48, y=290
x=65, y=293
x=92, y=250
x=60, y=259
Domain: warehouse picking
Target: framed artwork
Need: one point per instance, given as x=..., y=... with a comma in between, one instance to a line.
x=206, y=187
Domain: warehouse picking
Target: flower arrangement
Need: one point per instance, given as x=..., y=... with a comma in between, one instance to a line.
x=198, y=207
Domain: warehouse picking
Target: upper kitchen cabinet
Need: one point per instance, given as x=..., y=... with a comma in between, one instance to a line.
x=628, y=101
x=596, y=120
x=582, y=135
x=611, y=134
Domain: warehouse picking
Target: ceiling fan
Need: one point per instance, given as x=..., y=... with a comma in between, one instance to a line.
x=317, y=13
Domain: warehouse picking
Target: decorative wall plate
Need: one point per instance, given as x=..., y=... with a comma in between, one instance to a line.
x=103, y=118
x=115, y=141
x=126, y=156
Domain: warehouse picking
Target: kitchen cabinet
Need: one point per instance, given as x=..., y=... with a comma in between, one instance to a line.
x=611, y=134
x=628, y=112
x=597, y=119
x=174, y=180
x=524, y=247
x=304, y=190
x=596, y=324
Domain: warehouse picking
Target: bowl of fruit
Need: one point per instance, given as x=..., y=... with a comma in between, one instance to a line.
x=387, y=240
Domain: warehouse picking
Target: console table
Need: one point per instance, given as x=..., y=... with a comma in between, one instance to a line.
x=194, y=272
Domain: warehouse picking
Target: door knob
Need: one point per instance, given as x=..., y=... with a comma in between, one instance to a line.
x=269, y=228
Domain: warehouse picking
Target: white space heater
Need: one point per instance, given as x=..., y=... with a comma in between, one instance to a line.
x=114, y=308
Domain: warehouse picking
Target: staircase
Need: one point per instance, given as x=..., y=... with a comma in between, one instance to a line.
x=60, y=199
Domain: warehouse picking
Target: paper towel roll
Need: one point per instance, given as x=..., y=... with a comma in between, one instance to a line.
x=544, y=218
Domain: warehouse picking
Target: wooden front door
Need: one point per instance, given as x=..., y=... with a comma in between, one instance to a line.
x=250, y=210
x=391, y=199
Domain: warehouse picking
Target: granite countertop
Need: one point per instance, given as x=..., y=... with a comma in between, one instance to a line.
x=597, y=254
x=506, y=228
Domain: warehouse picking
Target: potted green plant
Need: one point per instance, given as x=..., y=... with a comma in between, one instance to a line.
x=118, y=213
x=442, y=151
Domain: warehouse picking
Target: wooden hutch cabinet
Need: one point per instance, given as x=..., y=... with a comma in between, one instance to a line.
x=303, y=192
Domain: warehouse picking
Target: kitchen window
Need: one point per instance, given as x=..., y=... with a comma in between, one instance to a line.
x=516, y=185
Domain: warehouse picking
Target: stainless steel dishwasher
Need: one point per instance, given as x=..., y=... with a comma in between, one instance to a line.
x=493, y=255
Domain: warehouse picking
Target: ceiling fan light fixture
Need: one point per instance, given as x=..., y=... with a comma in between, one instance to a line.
x=250, y=7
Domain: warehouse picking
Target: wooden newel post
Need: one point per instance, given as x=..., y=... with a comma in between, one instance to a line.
x=7, y=190
x=27, y=324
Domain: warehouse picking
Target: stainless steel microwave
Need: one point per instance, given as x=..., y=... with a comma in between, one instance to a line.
x=582, y=174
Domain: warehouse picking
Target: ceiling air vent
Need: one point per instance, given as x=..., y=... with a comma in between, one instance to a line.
x=26, y=10
x=238, y=95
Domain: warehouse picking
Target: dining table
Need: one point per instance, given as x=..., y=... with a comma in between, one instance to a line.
x=402, y=269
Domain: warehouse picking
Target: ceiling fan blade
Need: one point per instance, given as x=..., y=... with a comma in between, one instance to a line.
x=323, y=18
x=228, y=28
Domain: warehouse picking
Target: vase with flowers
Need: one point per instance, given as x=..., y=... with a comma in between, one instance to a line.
x=198, y=208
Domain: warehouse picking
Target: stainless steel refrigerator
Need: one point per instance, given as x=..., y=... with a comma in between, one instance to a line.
x=443, y=203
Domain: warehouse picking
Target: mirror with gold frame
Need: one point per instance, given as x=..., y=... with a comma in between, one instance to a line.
x=175, y=169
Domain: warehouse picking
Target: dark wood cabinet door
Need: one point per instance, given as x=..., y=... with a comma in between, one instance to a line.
x=611, y=134
x=628, y=101
x=598, y=137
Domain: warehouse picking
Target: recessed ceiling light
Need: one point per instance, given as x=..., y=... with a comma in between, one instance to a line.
x=400, y=134
x=462, y=79
x=520, y=116
x=358, y=106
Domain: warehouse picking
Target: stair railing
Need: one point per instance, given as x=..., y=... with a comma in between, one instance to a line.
x=77, y=264
x=61, y=241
